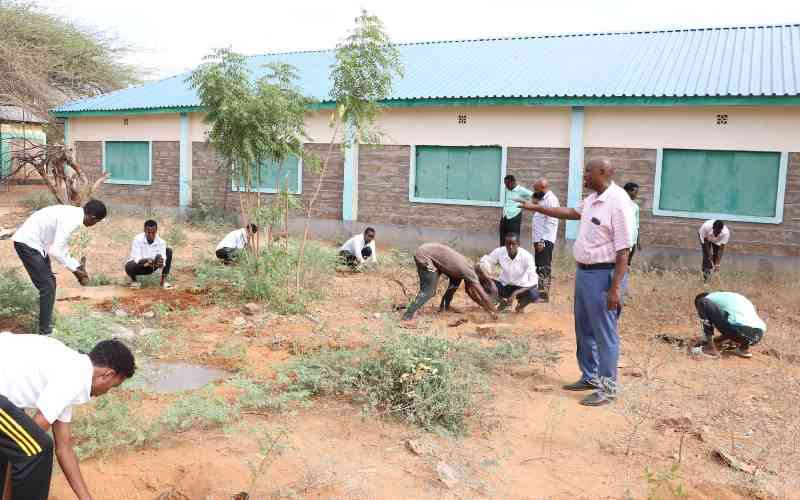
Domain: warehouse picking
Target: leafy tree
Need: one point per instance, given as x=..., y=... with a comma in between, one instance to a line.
x=252, y=121
x=366, y=64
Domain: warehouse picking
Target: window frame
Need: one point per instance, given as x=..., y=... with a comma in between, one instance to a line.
x=148, y=182
x=412, y=178
x=237, y=189
x=783, y=166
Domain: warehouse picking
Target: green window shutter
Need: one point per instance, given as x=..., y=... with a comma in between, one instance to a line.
x=458, y=174
x=273, y=175
x=431, y=172
x=721, y=182
x=128, y=162
x=485, y=170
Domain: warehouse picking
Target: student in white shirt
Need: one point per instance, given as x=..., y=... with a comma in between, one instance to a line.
x=46, y=232
x=517, y=281
x=42, y=374
x=714, y=235
x=545, y=229
x=234, y=242
x=359, y=249
x=148, y=253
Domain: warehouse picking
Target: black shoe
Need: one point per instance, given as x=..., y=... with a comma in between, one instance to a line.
x=580, y=385
x=597, y=399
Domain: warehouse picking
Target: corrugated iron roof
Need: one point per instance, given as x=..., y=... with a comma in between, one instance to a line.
x=17, y=114
x=732, y=61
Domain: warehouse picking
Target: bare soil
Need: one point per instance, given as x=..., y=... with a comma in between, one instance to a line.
x=532, y=441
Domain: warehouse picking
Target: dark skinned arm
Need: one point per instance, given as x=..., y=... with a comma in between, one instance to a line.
x=620, y=268
x=62, y=437
x=476, y=293
x=557, y=212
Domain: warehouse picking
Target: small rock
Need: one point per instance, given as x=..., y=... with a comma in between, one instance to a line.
x=447, y=475
x=377, y=315
x=145, y=332
x=121, y=313
x=149, y=314
x=251, y=309
x=458, y=322
x=121, y=332
x=543, y=388
x=239, y=322
x=414, y=447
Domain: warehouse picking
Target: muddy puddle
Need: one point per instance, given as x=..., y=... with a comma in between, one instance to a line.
x=168, y=377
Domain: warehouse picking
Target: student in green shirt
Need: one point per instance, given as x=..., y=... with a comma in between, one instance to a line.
x=511, y=221
x=736, y=319
x=633, y=191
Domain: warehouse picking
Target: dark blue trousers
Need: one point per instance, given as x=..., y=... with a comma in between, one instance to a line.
x=596, y=328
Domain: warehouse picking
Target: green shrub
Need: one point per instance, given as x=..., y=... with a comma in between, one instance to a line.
x=175, y=235
x=270, y=276
x=108, y=424
x=82, y=331
x=101, y=279
x=431, y=382
x=203, y=409
x=262, y=395
x=18, y=298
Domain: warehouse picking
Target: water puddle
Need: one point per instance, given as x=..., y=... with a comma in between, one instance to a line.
x=167, y=377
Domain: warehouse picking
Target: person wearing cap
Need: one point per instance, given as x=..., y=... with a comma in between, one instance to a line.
x=736, y=319
x=601, y=251
x=714, y=235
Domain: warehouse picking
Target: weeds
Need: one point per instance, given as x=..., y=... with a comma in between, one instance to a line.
x=175, y=235
x=203, y=410
x=39, y=200
x=427, y=381
x=107, y=424
x=270, y=445
x=662, y=485
x=18, y=299
x=265, y=277
x=263, y=396
x=101, y=279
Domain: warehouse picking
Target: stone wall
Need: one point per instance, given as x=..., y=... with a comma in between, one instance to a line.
x=383, y=173
x=164, y=188
x=639, y=165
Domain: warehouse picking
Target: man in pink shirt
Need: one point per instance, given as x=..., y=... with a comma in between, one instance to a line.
x=601, y=251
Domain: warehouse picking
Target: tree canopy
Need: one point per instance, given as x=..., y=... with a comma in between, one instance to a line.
x=46, y=60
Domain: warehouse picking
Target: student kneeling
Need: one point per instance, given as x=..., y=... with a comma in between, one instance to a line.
x=518, y=279
x=42, y=374
x=147, y=256
x=234, y=242
x=736, y=319
x=359, y=249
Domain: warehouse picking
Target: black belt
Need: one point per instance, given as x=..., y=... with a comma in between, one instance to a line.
x=590, y=267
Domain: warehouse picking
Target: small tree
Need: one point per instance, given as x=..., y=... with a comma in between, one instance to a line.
x=253, y=121
x=366, y=63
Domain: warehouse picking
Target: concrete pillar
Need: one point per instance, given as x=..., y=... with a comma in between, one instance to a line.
x=185, y=164
x=575, y=180
x=350, y=187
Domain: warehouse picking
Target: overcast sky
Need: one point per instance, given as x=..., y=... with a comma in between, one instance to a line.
x=171, y=36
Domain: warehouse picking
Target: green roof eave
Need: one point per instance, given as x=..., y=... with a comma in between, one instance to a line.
x=498, y=101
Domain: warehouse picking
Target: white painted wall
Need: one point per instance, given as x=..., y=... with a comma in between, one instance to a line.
x=748, y=128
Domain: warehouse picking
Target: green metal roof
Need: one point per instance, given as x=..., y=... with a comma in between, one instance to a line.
x=732, y=65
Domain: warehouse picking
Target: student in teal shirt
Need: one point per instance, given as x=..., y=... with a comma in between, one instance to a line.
x=511, y=221
x=736, y=319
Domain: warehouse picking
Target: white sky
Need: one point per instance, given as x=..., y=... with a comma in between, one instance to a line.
x=171, y=36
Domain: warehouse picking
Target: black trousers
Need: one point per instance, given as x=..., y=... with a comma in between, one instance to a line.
x=41, y=273
x=227, y=254
x=427, y=289
x=544, y=260
x=711, y=317
x=513, y=225
x=710, y=253
x=524, y=299
x=134, y=269
x=28, y=450
x=350, y=260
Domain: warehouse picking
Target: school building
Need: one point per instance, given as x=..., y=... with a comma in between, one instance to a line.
x=706, y=121
x=17, y=125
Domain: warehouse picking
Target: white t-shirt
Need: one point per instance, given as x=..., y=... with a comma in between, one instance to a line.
x=707, y=233
x=48, y=231
x=546, y=227
x=40, y=372
x=355, y=244
x=234, y=239
x=141, y=249
x=519, y=271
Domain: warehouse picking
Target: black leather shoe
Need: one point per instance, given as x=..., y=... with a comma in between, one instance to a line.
x=580, y=385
